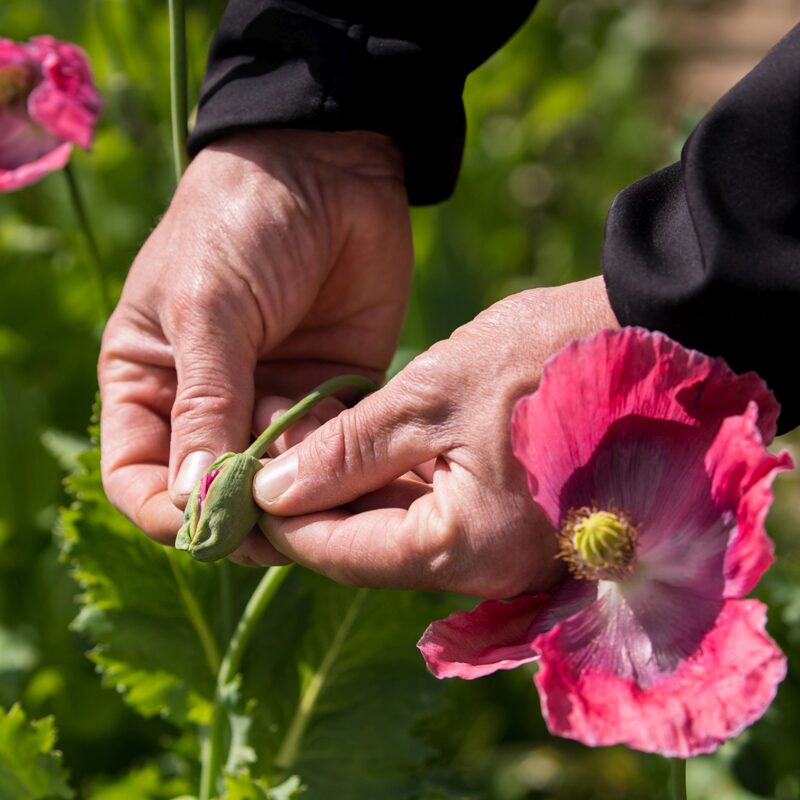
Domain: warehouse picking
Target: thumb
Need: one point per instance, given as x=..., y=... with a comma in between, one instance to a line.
x=213, y=406
x=362, y=449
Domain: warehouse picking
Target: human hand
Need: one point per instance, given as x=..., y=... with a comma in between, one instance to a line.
x=284, y=259
x=471, y=526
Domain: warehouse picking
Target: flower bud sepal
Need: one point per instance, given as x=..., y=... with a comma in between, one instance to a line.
x=221, y=510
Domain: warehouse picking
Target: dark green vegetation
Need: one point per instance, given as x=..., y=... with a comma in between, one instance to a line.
x=560, y=121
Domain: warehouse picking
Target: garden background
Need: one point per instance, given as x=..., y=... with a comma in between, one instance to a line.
x=588, y=97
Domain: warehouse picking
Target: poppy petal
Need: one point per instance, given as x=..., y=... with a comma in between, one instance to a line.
x=725, y=686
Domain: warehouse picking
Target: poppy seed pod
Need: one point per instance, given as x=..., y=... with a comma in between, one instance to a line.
x=221, y=510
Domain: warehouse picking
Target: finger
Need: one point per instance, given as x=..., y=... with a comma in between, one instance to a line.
x=400, y=493
x=256, y=551
x=389, y=548
x=362, y=449
x=135, y=432
x=444, y=543
x=213, y=406
x=426, y=470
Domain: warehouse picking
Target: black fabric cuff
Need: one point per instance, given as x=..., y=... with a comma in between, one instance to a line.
x=289, y=66
x=708, y=250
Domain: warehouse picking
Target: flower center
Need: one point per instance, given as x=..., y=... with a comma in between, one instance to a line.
x=15, y=84
x=598, y=544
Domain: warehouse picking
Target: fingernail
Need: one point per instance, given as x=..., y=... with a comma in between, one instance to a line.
x=192, y=469
x=275, y=478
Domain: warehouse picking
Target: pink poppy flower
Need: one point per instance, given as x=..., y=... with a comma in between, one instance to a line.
x=47, y=102
x=649, y=462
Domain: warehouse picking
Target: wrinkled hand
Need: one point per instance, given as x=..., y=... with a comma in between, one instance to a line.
x=284, y=258
x=470, y=526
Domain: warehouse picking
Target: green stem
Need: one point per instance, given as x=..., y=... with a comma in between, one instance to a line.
x=259, y=600
x=677, y=779
x=95, y=262
x=265, y=591
x=299, y=410
x=225, y=609
x=177, y=82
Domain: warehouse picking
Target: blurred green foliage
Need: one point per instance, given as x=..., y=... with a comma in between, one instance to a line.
x=559, y=121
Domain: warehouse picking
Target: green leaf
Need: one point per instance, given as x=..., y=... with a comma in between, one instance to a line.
x=240, y=721
x=244, y=787
x=146, y=782
x=333, y=687
x=341, y=689
x=18, y=656
x=65, y=447
x=17, y=652
x=29, y=766
x=152, y=614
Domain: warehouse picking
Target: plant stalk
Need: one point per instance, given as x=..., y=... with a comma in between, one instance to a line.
x=299, y=410
x=179, y=105
x=94, y=260
x=266, y=589
x=259, y=600
x=677, y=779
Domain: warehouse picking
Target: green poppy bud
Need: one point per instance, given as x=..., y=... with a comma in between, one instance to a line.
x=221, y=510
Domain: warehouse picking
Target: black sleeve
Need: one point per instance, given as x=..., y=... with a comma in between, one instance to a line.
x=708, y=250
x=394, y=67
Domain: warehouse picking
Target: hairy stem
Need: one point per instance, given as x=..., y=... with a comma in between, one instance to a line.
x=299, y=410
x=94, y=260
x=179, y=105
x=259, y=600
x=677, y=779
x=225, y=608
x=263, y=594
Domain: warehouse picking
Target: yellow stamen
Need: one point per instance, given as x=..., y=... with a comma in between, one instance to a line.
x=598, y=544
x=15, y=84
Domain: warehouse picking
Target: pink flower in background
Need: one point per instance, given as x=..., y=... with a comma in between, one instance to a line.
x=47, y=102
x=649, y=461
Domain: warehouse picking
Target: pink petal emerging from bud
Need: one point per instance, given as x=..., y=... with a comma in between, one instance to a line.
x=205, y=485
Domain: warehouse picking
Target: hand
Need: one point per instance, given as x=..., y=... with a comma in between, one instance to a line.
x=284, y=259
x=474, y=528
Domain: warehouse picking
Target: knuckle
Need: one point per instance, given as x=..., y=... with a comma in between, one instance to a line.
x=328, y=445
x=203, y=302
x=342, y=444
x=192, y=304
x=199, y=402
x=426, y=372
x=426, y=387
